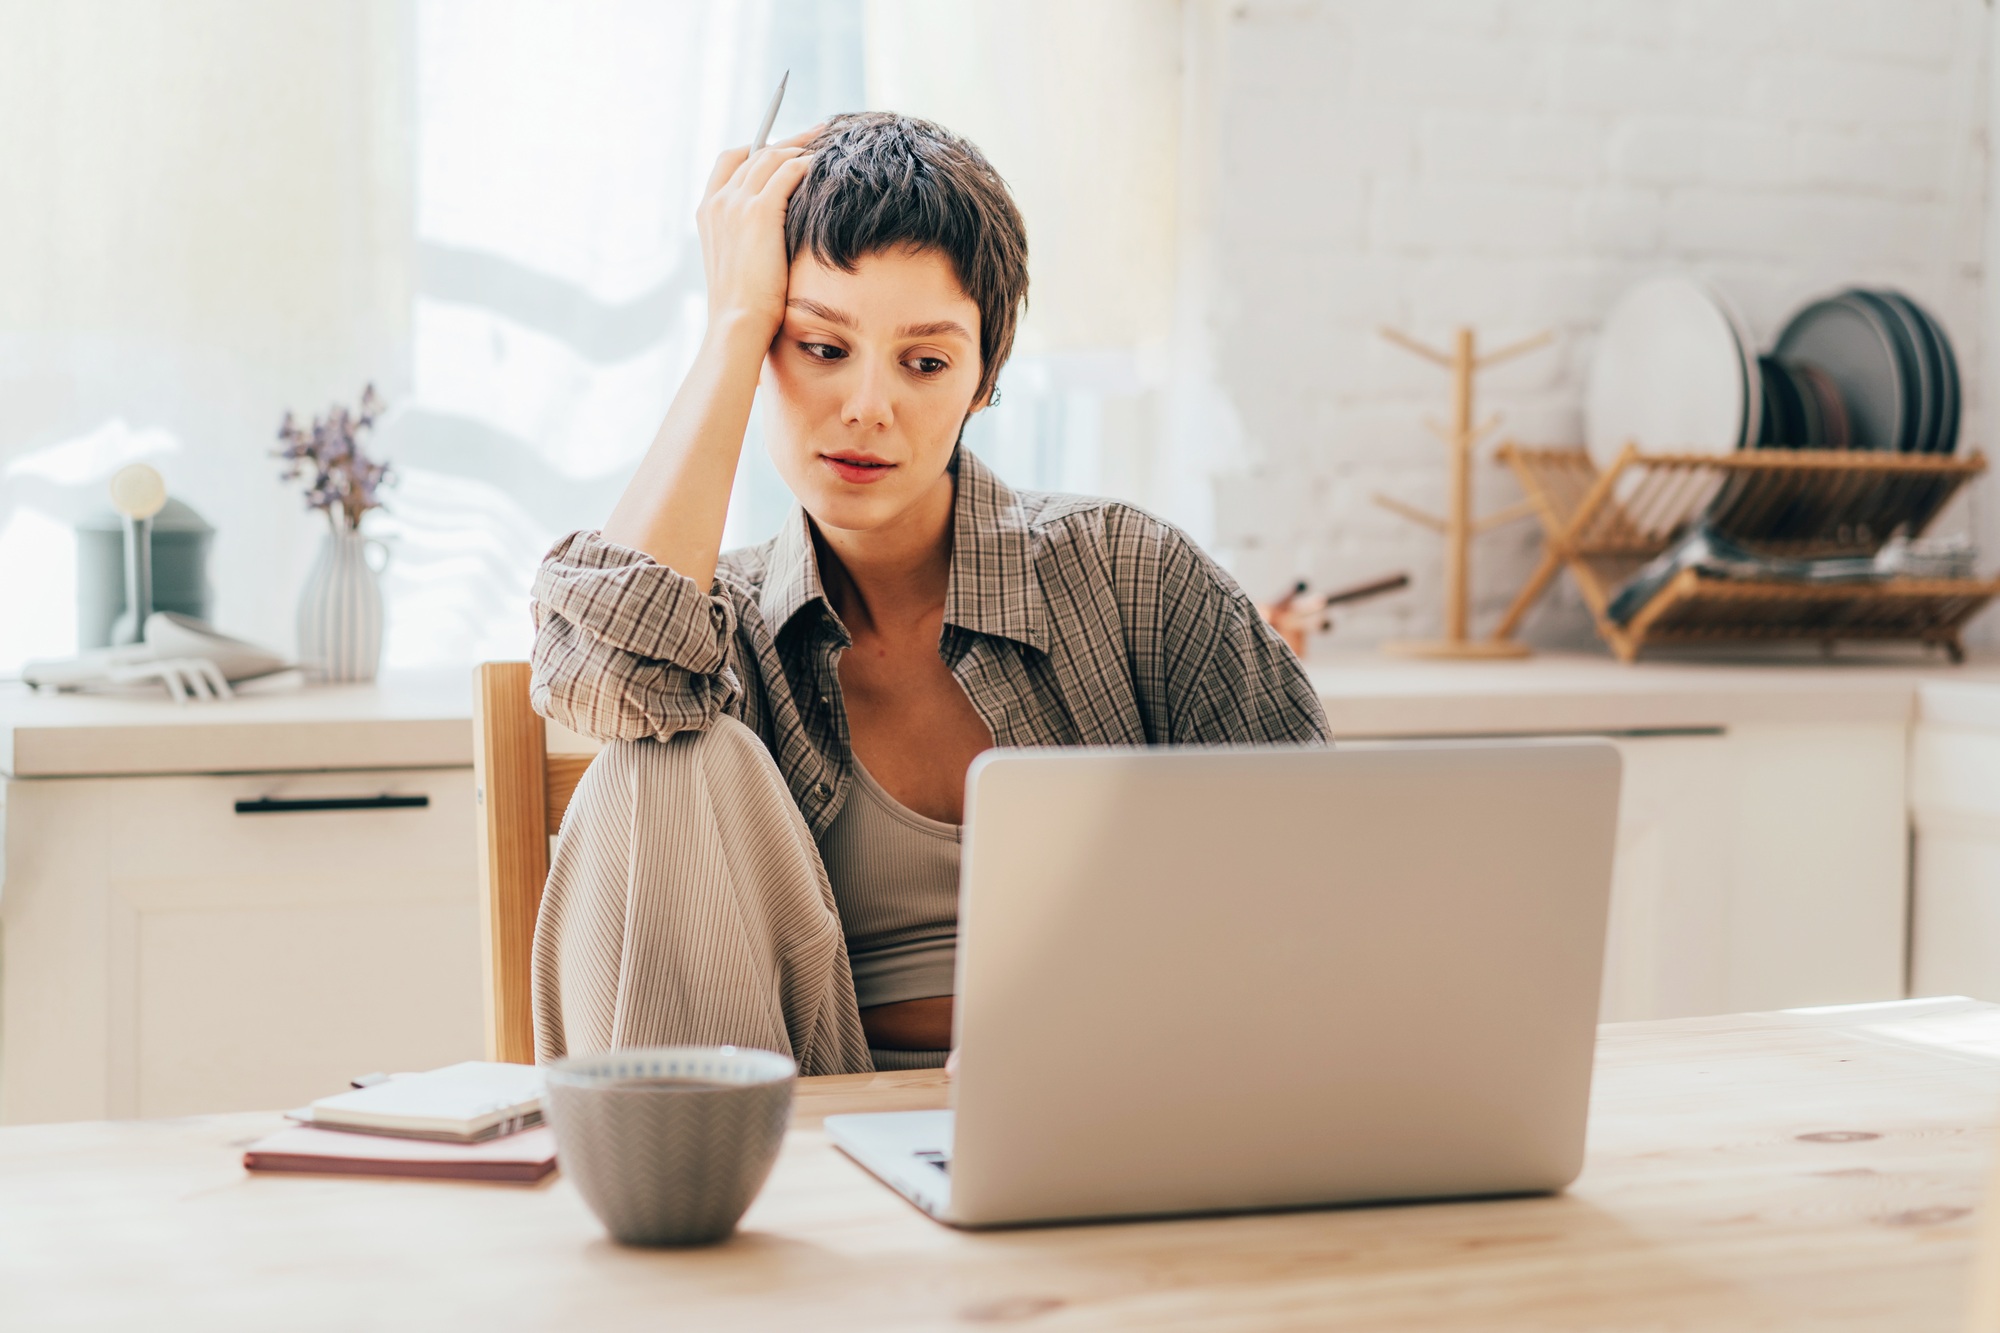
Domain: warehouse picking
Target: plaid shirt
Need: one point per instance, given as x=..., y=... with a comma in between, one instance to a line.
x=1068, y=620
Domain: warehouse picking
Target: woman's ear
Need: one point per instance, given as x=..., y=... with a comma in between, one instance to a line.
x=980, y=405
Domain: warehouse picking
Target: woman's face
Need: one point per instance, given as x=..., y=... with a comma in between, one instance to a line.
x=871, y=377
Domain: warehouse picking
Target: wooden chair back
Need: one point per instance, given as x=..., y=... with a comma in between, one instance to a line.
x=522, y=793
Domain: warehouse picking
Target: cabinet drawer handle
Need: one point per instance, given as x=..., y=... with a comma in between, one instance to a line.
x=270, y=805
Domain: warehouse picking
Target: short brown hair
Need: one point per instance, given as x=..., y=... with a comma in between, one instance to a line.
x=880, y=180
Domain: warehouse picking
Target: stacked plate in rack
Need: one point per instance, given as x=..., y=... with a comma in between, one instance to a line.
x=1891, y=367
x=1803, y=408
x=1677, y=371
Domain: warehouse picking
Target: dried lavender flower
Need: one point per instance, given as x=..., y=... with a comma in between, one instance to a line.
x=345, y=482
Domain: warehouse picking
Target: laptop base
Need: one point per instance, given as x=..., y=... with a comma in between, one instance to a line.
x=909, y=1151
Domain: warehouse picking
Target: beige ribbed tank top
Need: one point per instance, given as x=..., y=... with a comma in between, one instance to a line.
x=895, y=881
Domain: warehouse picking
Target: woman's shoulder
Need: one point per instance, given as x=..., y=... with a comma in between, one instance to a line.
x=1061, y=518
x=1130, y=543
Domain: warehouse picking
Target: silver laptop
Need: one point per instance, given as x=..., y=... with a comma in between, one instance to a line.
x=1206, y=980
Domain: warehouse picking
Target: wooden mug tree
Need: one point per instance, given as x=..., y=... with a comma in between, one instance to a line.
x=1458, y=525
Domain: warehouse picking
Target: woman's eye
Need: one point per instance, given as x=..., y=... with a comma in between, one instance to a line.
x=926, y=365
x=823, y=351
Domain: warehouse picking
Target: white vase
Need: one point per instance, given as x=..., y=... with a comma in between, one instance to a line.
x=340, y=611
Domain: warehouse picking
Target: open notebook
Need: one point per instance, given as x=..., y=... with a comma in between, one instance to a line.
x=462, y=1103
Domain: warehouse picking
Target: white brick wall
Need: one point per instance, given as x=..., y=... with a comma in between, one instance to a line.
x=1514, y=164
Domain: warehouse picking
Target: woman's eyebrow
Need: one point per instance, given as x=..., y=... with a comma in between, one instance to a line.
x=934, y=329
x=825, y=312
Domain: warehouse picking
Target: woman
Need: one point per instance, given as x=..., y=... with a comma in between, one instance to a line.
x=767, y=851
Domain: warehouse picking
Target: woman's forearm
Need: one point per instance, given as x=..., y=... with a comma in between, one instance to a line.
x=675, y=505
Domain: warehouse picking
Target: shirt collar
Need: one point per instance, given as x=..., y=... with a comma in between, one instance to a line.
x=791, y=574
x=993, y=589
x=993, y=586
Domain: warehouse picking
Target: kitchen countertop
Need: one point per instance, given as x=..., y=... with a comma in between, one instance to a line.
x=1367, y=694
x=412, y=720
x=423, y=719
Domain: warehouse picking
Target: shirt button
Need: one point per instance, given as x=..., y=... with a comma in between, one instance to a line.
x=821, y=792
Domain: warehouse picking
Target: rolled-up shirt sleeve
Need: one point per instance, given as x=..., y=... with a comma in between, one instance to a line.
x=626, y=648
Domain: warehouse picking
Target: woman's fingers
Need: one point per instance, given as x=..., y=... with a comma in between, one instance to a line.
x=731, y=161
x=752, y=171
x=726, y=164
x=733, y=166
x=738, y=171
x=743, y=168
x=765, y=164
x=786, y=178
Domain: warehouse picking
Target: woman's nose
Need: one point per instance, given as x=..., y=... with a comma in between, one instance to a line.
x=868, y=403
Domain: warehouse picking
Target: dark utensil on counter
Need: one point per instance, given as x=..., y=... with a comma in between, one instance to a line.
x=1297, y=615
x=1362, y=591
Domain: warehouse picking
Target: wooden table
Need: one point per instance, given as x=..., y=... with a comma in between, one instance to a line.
x=1770, y=1171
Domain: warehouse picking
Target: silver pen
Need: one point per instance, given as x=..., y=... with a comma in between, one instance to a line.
x=771, y=116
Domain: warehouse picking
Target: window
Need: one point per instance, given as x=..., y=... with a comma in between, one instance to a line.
x=559, y=158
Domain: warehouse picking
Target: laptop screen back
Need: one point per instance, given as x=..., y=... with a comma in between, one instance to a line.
x=1221, y=979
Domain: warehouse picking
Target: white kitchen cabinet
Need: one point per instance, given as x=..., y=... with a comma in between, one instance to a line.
x=1763, y=843
x=1756, y=868
x=162, y=953
x=1671, y=879
x=1955, y=809
x=1762, y=867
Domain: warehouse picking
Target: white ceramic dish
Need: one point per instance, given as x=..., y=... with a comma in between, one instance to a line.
x=1675, y=371
x=1753, y=378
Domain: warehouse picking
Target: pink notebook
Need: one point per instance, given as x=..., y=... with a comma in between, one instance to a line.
x=524, y=1157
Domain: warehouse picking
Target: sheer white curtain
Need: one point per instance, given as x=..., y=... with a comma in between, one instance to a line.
x=215, y=213
x=560, y=152
x=204, y=221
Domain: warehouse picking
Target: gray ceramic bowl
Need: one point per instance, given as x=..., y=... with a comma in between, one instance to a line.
x=669, y=1144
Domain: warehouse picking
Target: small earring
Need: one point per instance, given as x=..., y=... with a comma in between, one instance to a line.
x=994, y=401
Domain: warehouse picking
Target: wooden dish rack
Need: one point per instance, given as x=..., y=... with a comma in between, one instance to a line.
x=1604, y=525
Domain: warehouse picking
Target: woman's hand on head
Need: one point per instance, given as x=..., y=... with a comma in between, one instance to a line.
x=742, y=225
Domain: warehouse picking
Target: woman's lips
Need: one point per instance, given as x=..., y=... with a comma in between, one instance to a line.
x=859, y=470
